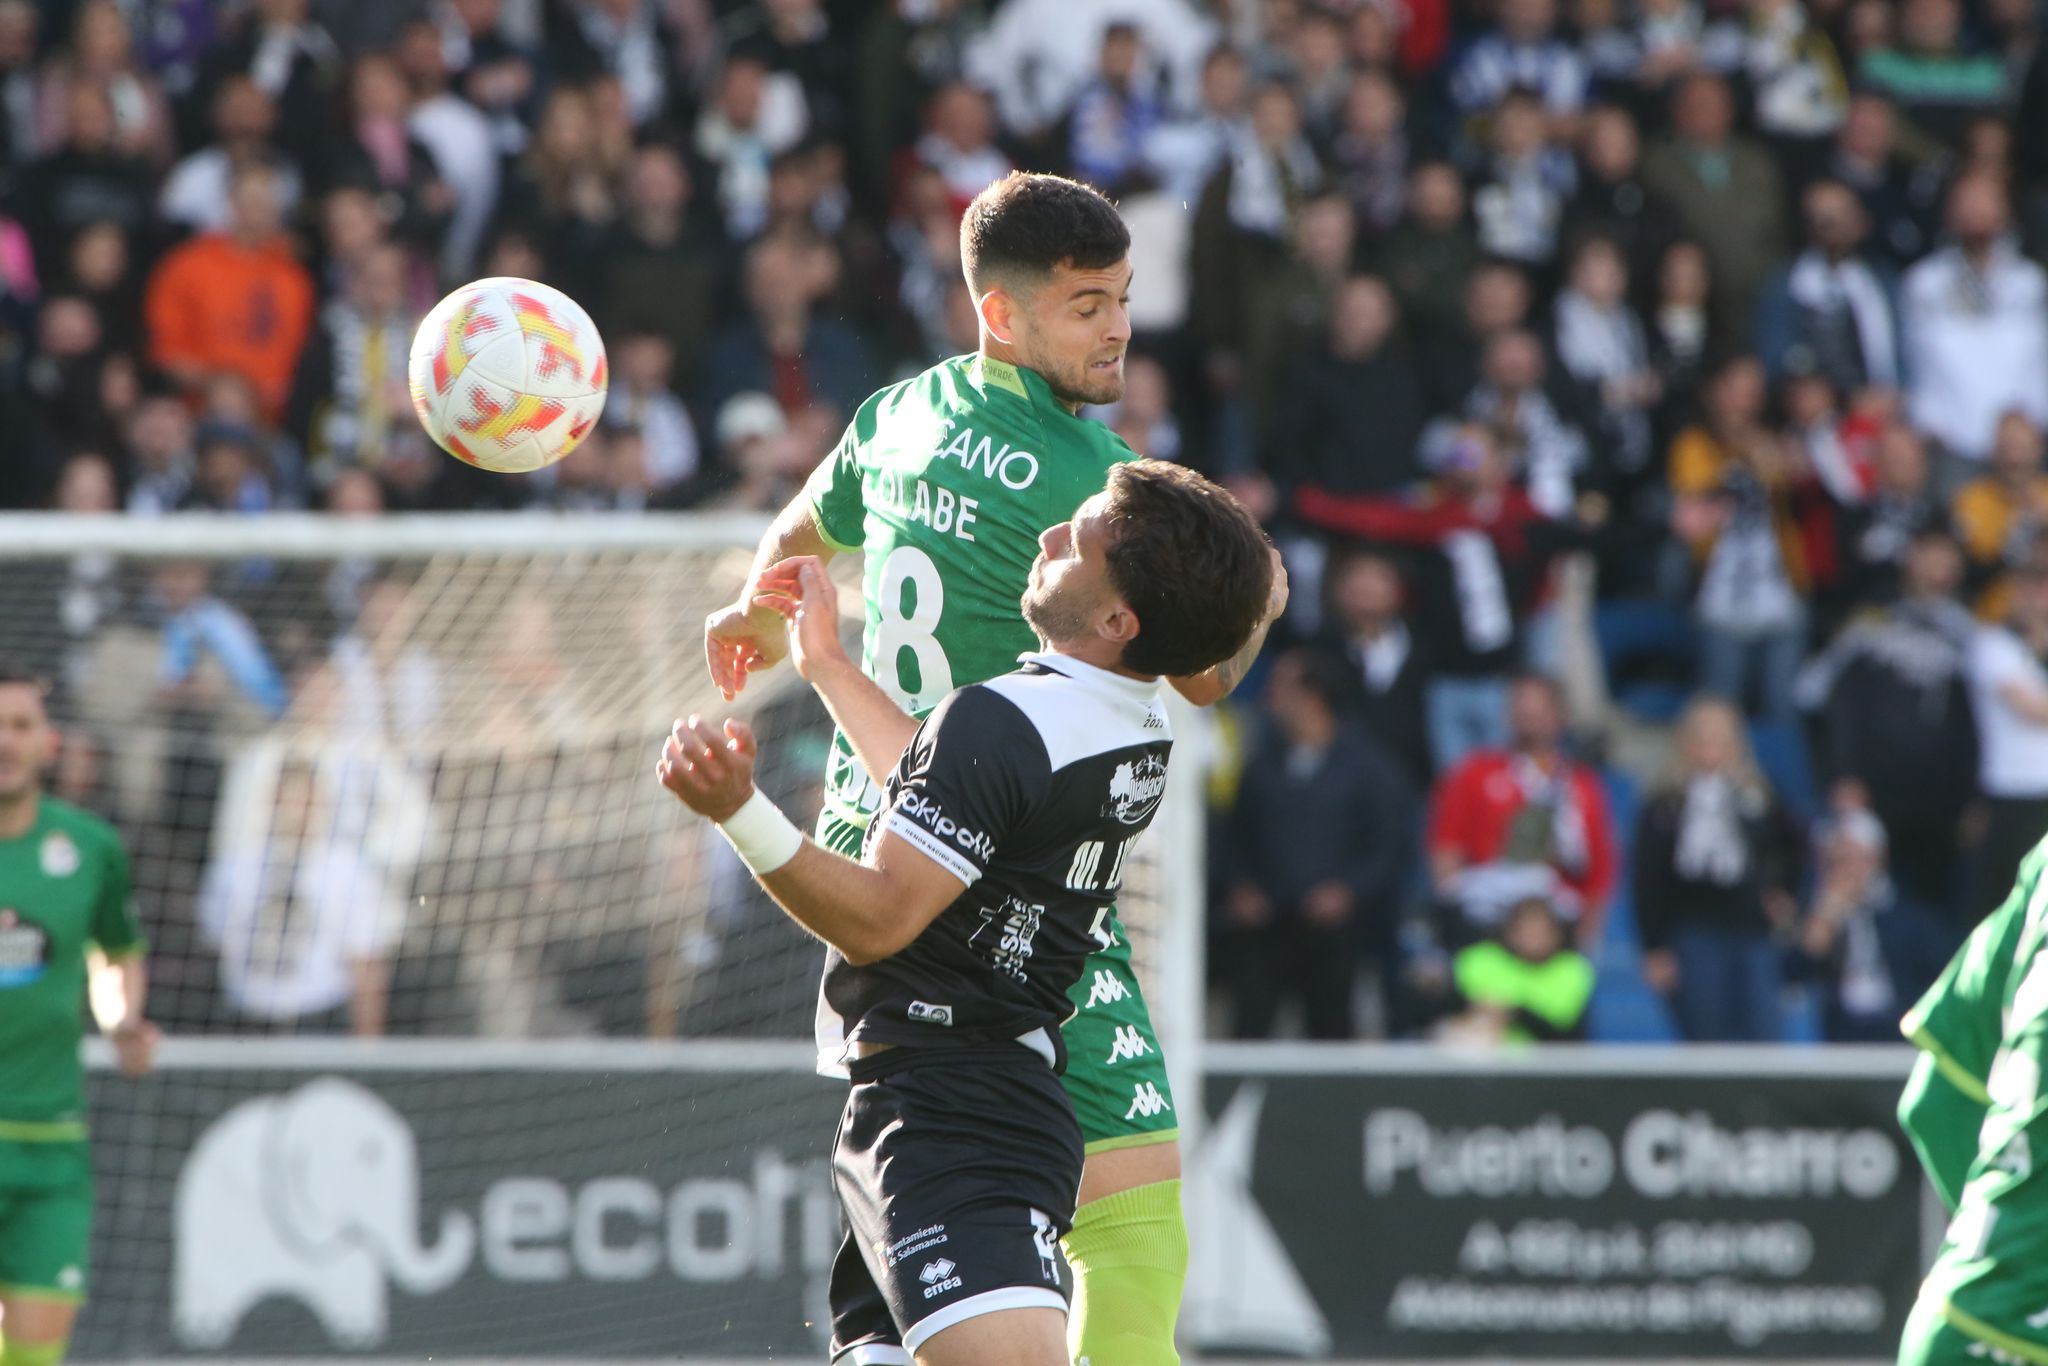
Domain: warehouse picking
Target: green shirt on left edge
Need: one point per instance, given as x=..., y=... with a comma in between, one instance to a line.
x=63, y=885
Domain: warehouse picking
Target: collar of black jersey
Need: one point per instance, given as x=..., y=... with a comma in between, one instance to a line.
x=1136, y=689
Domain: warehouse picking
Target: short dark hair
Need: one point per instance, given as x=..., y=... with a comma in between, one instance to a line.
x=1190, y=561
x=1027, y=225
x=15, y=674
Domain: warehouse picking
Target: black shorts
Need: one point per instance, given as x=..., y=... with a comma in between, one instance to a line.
x=957, y=1171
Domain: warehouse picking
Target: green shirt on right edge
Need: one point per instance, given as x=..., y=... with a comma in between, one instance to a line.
x=1985, y=1024
x=945, y=482
x=63, y=886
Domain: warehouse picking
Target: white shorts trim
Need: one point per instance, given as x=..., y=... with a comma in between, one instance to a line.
x=875, y=1354
x=974, y=1306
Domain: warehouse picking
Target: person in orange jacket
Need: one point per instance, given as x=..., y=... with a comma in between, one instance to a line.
x=236, y=301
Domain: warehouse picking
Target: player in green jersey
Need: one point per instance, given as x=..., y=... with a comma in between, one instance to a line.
x=1975, y=1114
x=64, y=921
x=945, y=482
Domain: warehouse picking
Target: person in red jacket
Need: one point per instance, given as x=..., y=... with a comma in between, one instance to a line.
x=1507, y=819
x=235, y=301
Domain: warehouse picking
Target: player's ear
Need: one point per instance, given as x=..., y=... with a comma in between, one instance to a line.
x=998, y=310
x=1119, y=623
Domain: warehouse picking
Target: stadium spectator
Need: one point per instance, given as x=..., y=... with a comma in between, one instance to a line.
x=632, y=42
x=1315, y=855
x=782, y=347
x=1431, y=253
x=1114, y=115
x=351, y=386
x=641, y=399
x=1716, y=862
x=100, y=55
x=1829, y=311
x=304, y=926
x=458, y=139
x=1898, y=196
x=1364, y=628
x=292, y=59
x=1976, y=327
x=1727, y=192
x=1795, y=73
x=1347, y=414
x=1602, y=346
x=1523, y=184
x=1937, y=82
x=1525, y=52
x=494, y=72
x=1370, y=152
x=1525, y=985
x=2009, y=689
x=1873, y=532
x=1036, y=55
x=1737, y=489
x=1873, y=947
x=2000, y=514
x=1181, y=154
x=1498, y=299
x=236, y=301
x=755, y=116
x=1897, y=736
x=1611, y=200
x=377, y=151
x=1505, y=820
x=1532, y=419
x=87, y=179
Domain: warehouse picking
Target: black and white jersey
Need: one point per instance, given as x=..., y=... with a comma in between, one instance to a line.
x=1030, y=788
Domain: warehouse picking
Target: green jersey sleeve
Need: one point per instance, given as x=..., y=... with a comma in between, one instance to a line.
x=113, y=917
x=834, y=489
x=1958, y=1021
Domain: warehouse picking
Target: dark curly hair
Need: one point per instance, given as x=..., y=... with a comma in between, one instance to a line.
x=1190, y=561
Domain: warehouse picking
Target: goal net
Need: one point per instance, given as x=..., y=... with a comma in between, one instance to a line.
x=395, y=777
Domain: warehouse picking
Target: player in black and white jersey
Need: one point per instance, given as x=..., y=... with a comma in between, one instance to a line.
x=990, y=868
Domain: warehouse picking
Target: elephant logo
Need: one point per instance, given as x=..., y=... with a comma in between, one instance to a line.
x=312, y=1195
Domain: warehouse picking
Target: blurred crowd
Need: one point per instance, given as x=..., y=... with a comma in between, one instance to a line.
x=1648, y=396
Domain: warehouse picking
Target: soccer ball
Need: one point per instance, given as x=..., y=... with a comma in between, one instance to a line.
x=507, y=374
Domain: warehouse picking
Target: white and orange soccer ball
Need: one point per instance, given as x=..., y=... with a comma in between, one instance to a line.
x=508, y=375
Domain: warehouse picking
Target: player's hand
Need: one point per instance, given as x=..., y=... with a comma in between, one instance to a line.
x=712, y=772
x=135, y=1047
x=802, y=593
x=739, y=640
x=1276, y=598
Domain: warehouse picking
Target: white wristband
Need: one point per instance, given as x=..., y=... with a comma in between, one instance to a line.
x=761, y=835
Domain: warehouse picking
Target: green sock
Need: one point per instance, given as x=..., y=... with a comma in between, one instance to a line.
x=26, y=1354
x=1129, y=1252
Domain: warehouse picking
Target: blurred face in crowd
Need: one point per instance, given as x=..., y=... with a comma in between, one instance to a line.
x=1930, y=25
x=1682, y=276
x=1528, y=21
x=1296, y=704
x=68, y=328
x=1372, y=38
x=1120, y=53
x=962, y=116
x=1835, y=221
x=159, y=434
x=1612, y=146
x=2016, y=449
x=1736, y=395
x=89, y=117
x=355, y=493
x=419, y=55
x=1147, y=395
x=1496, y=298
x=1533, y=933
x=377, y=90
x=1934, y=567
x=644, y=360
x=101, y=37
x=282, y=13
x=1869, y=27
x=1599, y=273
x=515, y=254
x=378, y=285
x=1366, y=593
x=2030, y=592
x=1374, y=109
x=242, y=112
x=740, y=89
x=479, y=16
x=252, y=206
x=1436, y=196
x=1276, y=120
x=1869, y=129
x=1710, y=737
x=567, y=132
x=181, y=584
x=350, y=223
x=1977, y=212
x=657, y=182
x=1808, y=399
x=1901, y=462
x=778, y=279
x=1704, y=111
x=17, y=34
x=1535, y=718
x=1319, y=45
x=27, y=741
x=99, y=257
x=87, y=485
x=1223, y=84
x=1324, y=233
x=1514, y=362
x=1518, y=128
x=1362, y=317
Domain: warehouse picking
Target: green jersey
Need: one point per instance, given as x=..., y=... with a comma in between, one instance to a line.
x=63, y=885
x=1990, y=1276
x=945, y=482
x=1958, y=1025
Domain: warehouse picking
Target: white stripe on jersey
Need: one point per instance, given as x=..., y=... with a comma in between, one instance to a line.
x=1106, y=712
